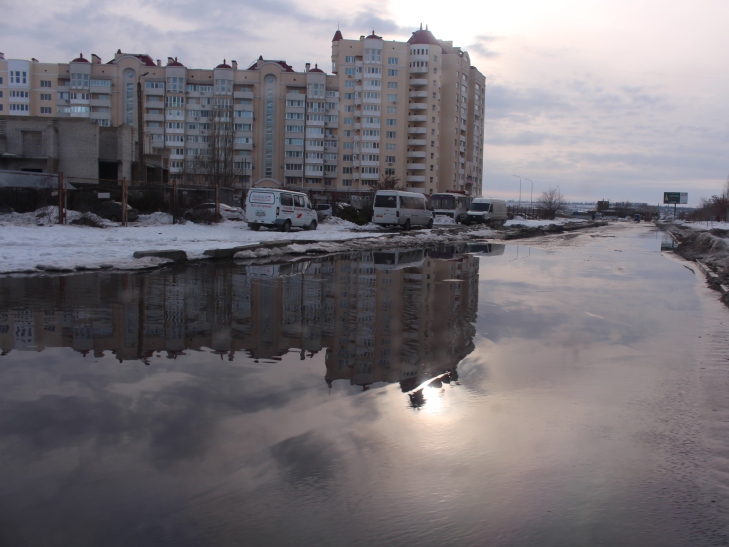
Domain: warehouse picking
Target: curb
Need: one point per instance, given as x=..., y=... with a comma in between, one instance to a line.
x=712, y=277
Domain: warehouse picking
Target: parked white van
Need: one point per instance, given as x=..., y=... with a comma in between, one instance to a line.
x=406, y=209
x=281, y=209
x=487, y=211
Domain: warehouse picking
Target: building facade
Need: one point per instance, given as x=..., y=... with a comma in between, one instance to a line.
x=411, y=110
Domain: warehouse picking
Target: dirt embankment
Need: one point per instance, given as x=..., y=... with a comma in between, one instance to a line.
x=710, y=247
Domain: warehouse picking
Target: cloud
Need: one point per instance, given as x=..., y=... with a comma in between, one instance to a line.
x=482, y=46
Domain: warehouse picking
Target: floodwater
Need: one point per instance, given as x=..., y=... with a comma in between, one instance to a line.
x=554, y=394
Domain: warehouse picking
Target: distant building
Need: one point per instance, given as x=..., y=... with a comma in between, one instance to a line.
x=412, y=110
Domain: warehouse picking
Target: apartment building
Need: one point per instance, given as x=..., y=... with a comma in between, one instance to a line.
x=411, y=110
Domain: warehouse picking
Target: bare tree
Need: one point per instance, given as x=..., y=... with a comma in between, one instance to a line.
x=387, y=182
x=216, y=165
x=551, y=201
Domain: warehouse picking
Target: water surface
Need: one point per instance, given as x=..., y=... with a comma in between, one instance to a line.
x=460, y=395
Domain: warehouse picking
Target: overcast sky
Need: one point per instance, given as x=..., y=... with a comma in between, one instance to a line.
x=614, y=99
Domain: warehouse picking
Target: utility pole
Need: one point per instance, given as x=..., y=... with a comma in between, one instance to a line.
x=519, y=206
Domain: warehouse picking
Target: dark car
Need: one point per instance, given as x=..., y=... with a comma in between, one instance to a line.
x=112, y=210
x=205, y=212
x=323, y=211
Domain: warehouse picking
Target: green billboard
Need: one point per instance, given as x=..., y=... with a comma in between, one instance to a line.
x=675, y=197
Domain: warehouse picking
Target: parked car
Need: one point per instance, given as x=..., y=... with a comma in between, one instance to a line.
x=323, y=211
x=205, y=212
x=112, y=210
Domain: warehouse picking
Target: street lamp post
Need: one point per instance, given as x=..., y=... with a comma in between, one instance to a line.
x=531, y=197
x=519, y=206
x=140, y=132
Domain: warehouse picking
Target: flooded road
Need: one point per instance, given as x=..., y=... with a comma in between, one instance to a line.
x=566, y=393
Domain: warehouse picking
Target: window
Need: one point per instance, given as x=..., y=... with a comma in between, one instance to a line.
x=392, y=61
x=294, y=142
x=392, y=72
x=391, y=85
x=370, y=157
x=391, y=121
x=46, y=110
x=174, y=102
x=294, y=128
x=371, y=119
x=390, y=146
x=392, y=97
x=372, y=108
x=392, y=110
x=44, y=83
x=243, y=127
x=79, y=80
x=294, y=154
x=348, y=83
x=147, y=85
x=295, y=103
x=317, y=90
x=349, y=96
x=346, y=170
x=390, y=134
x=294, y=115
x=389, y=159
x=223, y=86
x=348, y=121
x=18, y=77
x=348, y=145
x=370, y=132
x=175, y=84
x=243, y=114
x=372, y=95
x=175, y=125
x=350, y=59
x=373, y=55
x=104, y=123
x=19, y=94
x=293, y=166
x=374, y=83
x=19, y=108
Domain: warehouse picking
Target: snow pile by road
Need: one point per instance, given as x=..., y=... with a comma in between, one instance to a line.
x=34, y=242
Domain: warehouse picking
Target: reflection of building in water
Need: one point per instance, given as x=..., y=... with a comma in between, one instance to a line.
x=401, y=316
x=380, y=321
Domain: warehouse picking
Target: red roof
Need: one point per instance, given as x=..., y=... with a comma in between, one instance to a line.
x=424, y=37
x=282, y=64
x=337, y=36
x=174, y=63
x=373, y=35
x=146, y=59
x=80, y=59
x=224, y=65
x=316, y=69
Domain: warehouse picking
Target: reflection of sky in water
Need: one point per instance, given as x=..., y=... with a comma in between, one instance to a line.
x=563, y=421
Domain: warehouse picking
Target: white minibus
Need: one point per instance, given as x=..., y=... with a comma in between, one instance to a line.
x=451, y=204
x=406, y=209
x=281, y=209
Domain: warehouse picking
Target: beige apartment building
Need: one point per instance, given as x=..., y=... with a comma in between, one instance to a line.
x=411, y=110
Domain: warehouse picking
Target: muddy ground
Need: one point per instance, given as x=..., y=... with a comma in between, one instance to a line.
x=710, y=247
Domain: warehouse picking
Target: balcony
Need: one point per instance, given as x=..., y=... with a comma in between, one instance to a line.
x=152, y=91
x=154, y=117
x=417, y=106
x=243, y=146
x=242, y=94
x=415, y=178
x=417, y=119
x=417, y=130
x=416, y=167
x=417, y=154
x=418, y=94
x=100, y=102
x=418, y=82
x=417, y=142
x=419, y=70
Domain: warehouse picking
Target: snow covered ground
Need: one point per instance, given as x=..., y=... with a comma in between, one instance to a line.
x=30, y=243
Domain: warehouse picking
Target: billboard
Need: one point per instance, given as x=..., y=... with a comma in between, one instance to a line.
x=675, y=197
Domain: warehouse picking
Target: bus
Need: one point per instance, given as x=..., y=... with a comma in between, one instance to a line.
x=451, y=204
